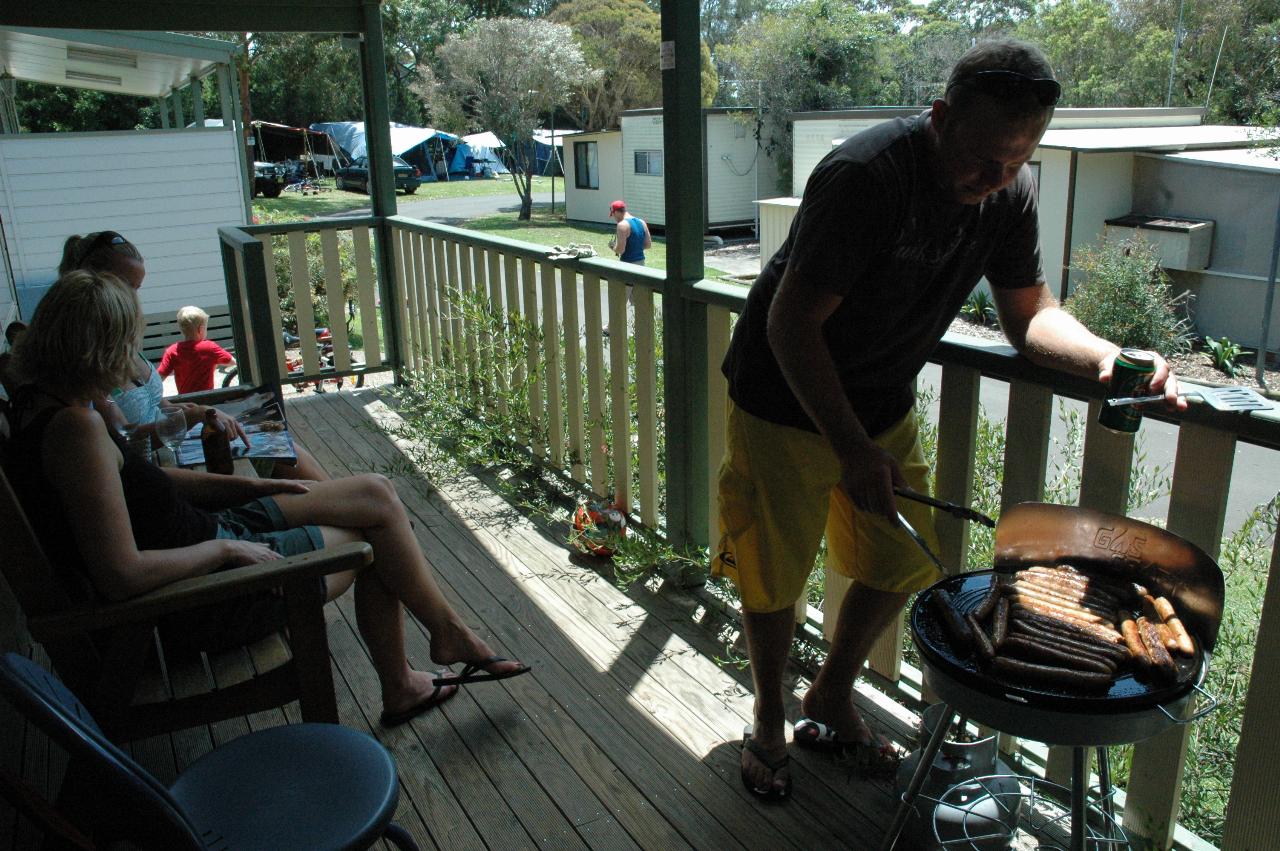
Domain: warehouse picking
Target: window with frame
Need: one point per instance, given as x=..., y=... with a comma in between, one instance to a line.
x=649, y=162
x=586, y=165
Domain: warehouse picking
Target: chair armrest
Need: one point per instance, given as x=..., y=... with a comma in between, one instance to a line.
x=201, y=590
x=211, y=397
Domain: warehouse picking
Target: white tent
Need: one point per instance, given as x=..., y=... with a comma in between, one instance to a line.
x=485, y=139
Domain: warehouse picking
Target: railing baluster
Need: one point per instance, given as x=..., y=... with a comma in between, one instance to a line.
x=431, y=268
x=1253, y=819
x=619, y=397
x=551, y=348
x=595, y=384
x=719, y=323
x=647, y=405
x=304, y=311
x=573, y=373
x=534, y=353
x=1197, y=512
x=454, y=289
x=406, y=302
x=277, y=341
x=335, y=299
x=501, y=308
x=482, y=337
x=366, y=285
x=421, y=314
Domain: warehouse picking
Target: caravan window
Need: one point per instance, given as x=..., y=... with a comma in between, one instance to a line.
x=586, y=165
x=649, y=162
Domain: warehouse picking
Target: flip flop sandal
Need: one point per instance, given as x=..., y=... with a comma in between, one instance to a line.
x=437, y=697
x=769, y=794
x=874, y=758
x=474, y=672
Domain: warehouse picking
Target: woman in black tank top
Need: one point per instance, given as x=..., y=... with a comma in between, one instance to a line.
x=129, y=527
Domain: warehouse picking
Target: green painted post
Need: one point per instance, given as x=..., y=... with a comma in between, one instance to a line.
x=197, y=100
x=162, y=104
x=179, y=118
x=382, y=186
x=684, y=321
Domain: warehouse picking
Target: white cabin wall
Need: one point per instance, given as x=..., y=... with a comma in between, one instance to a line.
x=732, y=163
x=645, y=194
x=1104, y=190
x=592, y=205
x=167, y=191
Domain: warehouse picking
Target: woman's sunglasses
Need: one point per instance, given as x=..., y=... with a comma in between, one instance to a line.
x=105, y=239
x=1045, y=90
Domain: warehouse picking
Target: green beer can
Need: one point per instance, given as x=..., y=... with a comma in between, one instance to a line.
x=1130, y=376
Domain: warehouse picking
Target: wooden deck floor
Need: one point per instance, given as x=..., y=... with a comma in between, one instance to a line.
x=624, y=736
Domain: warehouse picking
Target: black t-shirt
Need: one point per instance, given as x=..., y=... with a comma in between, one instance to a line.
x=875, y=227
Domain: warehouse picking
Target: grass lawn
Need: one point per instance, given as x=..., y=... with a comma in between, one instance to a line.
x=333, y=201
x=548, y=229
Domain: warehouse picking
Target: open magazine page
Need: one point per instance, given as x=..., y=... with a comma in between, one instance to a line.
x=263, y=421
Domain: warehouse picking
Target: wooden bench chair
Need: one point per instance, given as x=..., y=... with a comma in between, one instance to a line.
x=105, y=651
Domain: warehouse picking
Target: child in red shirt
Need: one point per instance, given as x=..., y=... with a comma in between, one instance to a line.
x=191, y=362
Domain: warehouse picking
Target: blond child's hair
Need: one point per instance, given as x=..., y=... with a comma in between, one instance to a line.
x=84, y=335
x=191, y=318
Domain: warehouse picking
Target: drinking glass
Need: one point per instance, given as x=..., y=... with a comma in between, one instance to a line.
x=171, y=428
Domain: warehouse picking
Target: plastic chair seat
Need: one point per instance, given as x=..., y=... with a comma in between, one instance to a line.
x=304, y=786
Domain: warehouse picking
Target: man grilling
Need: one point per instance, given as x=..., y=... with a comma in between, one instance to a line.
x=895, y=228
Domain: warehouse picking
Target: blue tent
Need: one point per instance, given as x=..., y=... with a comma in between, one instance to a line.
x=423, y=147
x=477, y=154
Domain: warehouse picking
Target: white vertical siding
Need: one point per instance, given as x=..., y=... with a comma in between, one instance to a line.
x=776, y=215
x=644, y=193
x=592, y=205
x=167, y=191
x=812, y=140
x=732, y=165
x=1104, y=190
x=1055, y=179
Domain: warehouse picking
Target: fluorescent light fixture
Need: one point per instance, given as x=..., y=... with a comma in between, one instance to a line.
x=102, y=57
x=86, y=77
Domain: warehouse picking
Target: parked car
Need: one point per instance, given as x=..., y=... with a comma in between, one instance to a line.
x=268, y=179
x=356, y=176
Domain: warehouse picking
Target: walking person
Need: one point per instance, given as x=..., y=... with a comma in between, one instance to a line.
x=895, y=228
x=631, y=238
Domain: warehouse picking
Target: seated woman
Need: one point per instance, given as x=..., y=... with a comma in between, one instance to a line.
x=137, y=401
x=125, y=526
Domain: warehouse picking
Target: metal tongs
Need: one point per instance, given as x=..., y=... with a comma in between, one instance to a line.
x=959, y=511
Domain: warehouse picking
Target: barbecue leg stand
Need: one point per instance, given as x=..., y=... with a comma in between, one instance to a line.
x=917, y=779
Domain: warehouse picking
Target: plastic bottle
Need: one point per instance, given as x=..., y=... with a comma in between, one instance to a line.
x=216, y=444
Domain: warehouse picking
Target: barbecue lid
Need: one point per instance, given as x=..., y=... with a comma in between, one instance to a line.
x=1034, y=533
x=1126, y=693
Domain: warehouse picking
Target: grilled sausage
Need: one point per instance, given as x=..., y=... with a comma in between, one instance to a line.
x=951, y=620
x=1000, y=622
x=1094, y=605
x=1182, y=638
x=1068, y=641
x=1133, y=640
x=985, y=651
x=988, y=604
x=1025, y=647
x=1161, y=661
x=1051, y=608
x=1100, y=631
x=1061, y=677
x=1081, y=588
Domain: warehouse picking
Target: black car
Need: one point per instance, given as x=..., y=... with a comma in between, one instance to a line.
x=268, y=179
x=356, y=176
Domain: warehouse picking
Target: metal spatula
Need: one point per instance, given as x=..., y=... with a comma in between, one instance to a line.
x=1239, y=399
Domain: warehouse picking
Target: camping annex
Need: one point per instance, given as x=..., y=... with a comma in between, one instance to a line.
x=428, y=149
x=477, y=156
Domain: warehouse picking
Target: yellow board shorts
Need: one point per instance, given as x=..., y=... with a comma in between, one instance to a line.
x=778, y=493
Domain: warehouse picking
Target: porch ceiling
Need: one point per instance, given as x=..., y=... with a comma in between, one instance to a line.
x=131, y=63
x=192, y=15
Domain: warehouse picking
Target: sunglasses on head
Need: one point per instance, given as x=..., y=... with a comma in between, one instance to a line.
x=105, y=239
x=1045, y=90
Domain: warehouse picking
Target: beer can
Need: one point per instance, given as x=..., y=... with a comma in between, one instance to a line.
x=1130, y=376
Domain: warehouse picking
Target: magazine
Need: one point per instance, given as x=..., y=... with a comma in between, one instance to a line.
x=263, y=420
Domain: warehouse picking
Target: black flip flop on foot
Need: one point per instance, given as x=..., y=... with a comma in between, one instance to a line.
x=769, y=794
x=474, y=672
x=438, y=696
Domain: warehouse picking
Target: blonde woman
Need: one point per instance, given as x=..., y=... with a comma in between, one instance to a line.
x=119, y=526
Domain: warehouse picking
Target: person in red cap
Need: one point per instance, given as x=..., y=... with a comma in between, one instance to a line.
x=632, y=237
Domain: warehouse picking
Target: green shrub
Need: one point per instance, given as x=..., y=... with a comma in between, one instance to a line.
x=1224, y=354
x=1125, y=297
x=979, y=309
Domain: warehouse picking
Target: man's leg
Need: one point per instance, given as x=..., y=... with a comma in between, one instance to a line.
x=864, y=614
x=768, y=645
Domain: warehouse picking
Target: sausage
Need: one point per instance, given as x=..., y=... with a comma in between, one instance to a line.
x=1066, y=584
x=1000, y=622
x=988, y=604
x=1096, y=606
x=1182, y=638
x=1133, y=640
x=1030, y=649
x=1161, y=661
x=1058, y=610
x=951, y=620
x=1102, y=632
x=985, y=651
x=1065, y=640
x=1061, y=677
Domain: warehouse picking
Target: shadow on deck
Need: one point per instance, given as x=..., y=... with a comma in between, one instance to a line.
x=625, y=735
